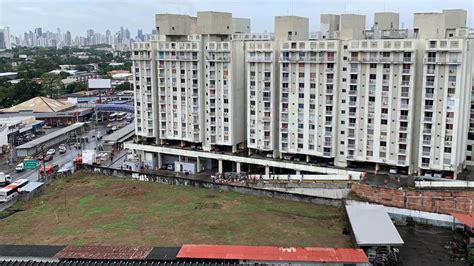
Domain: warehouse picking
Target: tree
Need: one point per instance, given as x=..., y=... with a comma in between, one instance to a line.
x=52, y=85
x=64, y=74
x=25, y=90
x=75, y=87
x=124, y=86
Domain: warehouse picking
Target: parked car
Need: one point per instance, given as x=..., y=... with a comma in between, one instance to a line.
x=109, y=125
x=77, y=145
x=19, y=167
x=114, y=128
x=40, y=157
x=393, y=170
x=46, y=127
x=288, y=157
x=27, y=158
x=62, y=148
x=51, y=152
x=48, y=158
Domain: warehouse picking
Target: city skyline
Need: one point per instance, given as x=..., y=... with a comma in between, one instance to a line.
x=20, y=16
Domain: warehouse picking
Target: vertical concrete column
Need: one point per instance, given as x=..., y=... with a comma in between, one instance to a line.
x=198, y=165
x=267, y=170
x=298, y=172
x=220, y=166
x=159, y=160
x=307, y=158
x=238, y=168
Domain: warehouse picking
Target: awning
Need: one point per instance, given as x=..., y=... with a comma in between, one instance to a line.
x=466, y=219
x=372, y=226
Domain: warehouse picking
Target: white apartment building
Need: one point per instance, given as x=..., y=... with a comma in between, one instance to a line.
x=447, y=94
x=308, y=75
x=387, y=96
x=146, y=109
x=261, y=95
x=179, y=103
x=225, y=94
x=378, y=93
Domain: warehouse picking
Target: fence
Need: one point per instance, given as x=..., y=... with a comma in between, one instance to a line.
x=173, y=180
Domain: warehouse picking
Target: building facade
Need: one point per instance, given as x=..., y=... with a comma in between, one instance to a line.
x=385, y=97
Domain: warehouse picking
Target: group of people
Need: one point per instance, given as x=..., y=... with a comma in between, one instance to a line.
x=235, y=178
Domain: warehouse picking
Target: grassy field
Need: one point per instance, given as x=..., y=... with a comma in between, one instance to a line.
x=99, y=210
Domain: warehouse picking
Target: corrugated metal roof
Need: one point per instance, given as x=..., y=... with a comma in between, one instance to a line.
x=466, y=219
x=104, y=252
x=31, y=186
x=108, y=263
x=120, y=133
x=267, y=253
x=50, y=136
x=372, y=226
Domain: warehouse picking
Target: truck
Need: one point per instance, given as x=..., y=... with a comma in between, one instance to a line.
x=5, y=179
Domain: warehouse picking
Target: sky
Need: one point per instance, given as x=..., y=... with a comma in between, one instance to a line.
x=79, y=15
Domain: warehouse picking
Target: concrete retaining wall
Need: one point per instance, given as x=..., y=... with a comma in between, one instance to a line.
x=170, y=180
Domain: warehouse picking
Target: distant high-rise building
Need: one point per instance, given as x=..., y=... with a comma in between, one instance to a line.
x=108, y=37
x=68, y=39
x=127, y=34
x=38, y=32
x=2, y=39
x=140, y=34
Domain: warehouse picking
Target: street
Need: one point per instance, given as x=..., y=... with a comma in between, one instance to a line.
x=62, y=159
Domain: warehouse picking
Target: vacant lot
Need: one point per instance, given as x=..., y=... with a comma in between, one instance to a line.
x=84, y=209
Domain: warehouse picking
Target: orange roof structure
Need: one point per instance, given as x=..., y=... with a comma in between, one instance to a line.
x=268, y=253
x=40, y=105
x=466, y=219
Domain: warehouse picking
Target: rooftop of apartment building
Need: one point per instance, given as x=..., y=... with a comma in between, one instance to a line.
x=448, y=23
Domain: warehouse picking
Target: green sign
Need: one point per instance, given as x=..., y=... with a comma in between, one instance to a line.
x=29, y=164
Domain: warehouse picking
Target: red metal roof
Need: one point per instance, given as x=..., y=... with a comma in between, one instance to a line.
x=466, y=219
x=267, y=253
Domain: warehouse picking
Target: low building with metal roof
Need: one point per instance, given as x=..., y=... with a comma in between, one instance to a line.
x=47, y=141
x=372, y=227
x=113, y=140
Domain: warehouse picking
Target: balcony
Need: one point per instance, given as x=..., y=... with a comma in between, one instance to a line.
x=352, y=113
x=352, y=103
x=352, y=124
x=426, y=142
x=405, y=71
x=329, y=70
x=426, y=153
x=429, y=95
x=351, y=146
x=403, y=128
x=402, y=140
x=353, y=81
x=329, y=91
x=430, y=83
x=425, y=164
x=427, y=130
x=404, y=106
x=404, y=117
x=405, y=94
x=428, y=119
x=402, y=151
x=329, y=80
x=407, y=59
x=405, y=83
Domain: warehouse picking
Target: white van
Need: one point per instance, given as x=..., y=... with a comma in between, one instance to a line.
x=20, y=167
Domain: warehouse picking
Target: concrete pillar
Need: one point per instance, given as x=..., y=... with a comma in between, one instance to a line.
x=180, y=159
x=159, y=160
x=298, y=172
x=234, y=148
x=220, y=167
x=267, y=170
x=198, y=165
x=238, y=168
x=308, y=158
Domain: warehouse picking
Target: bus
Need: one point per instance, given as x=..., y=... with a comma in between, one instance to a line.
x=11, y=191
x=112, y=117
x=121, y=116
